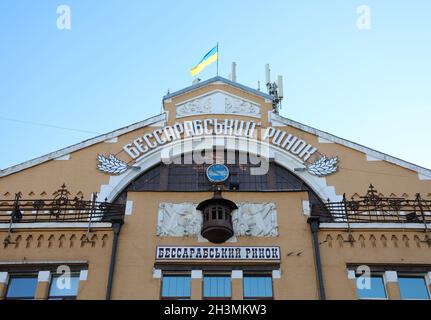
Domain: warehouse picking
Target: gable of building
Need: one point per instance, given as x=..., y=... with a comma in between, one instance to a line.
x=227, y=100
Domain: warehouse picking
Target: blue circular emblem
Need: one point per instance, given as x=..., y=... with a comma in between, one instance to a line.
x=217, y=173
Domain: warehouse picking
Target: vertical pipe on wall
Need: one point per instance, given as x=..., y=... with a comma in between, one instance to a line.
x=314, y=225
x=116, y=226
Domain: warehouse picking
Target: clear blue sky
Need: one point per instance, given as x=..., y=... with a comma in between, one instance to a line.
x=120, y=57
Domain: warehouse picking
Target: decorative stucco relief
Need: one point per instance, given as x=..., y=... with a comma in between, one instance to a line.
x=218, y=102
x=178, y=220
x=239, y=106
x=197, y=106
x=255, y=220
x=250, y=219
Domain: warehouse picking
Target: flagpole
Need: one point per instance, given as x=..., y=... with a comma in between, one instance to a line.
x=218, y=55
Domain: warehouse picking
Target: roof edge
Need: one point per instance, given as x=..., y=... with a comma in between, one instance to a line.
x=356, y=146
x=162, y=117
x=81, y=145
x=216, y=79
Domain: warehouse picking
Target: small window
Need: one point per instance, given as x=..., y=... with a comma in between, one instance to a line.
x=375, y=291
x=64, y=289
x=21, y=287
x=413, y=288
x=217, y=287
x=214, y=213
x=258, y=287
x=176, y=287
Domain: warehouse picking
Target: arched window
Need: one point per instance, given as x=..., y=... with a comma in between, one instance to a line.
x=192, y=177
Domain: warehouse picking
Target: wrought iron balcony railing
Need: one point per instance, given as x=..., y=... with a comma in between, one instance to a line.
x=372, y=208
x=59, y=209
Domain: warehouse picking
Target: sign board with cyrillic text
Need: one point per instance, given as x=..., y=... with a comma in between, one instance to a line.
x=217, y=253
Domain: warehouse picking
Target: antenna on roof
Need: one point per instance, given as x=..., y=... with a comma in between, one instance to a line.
x=275, y=89
x=233, y=72
x=267, y=74
x=280, y=87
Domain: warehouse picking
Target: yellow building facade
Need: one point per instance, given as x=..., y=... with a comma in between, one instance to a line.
x=218, y=197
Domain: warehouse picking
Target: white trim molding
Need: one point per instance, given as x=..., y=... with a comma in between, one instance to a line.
x=371, y=158
x=424, y=177
x=157, y=273
x=306, y=208
x=323, y=141
x=428, y=278
x=44, y=262
x=63, y=158
x=44, y=276
x=158, y=124
x=351, y=274
x=276, y=274
x=55, y=225
x=197, y=274
x=129, y=208
x=390, y=276
x=82, y=145
x=373, y=225
x=368, y=151
x=113, y=140
x=83, y=275
x=4, y=277
x=237, y=274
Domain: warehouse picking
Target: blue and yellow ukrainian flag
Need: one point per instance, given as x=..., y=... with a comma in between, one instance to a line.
x=210, y=57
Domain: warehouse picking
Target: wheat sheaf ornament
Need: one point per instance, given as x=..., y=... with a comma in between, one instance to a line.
x=324, y=166
x=111, y=164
